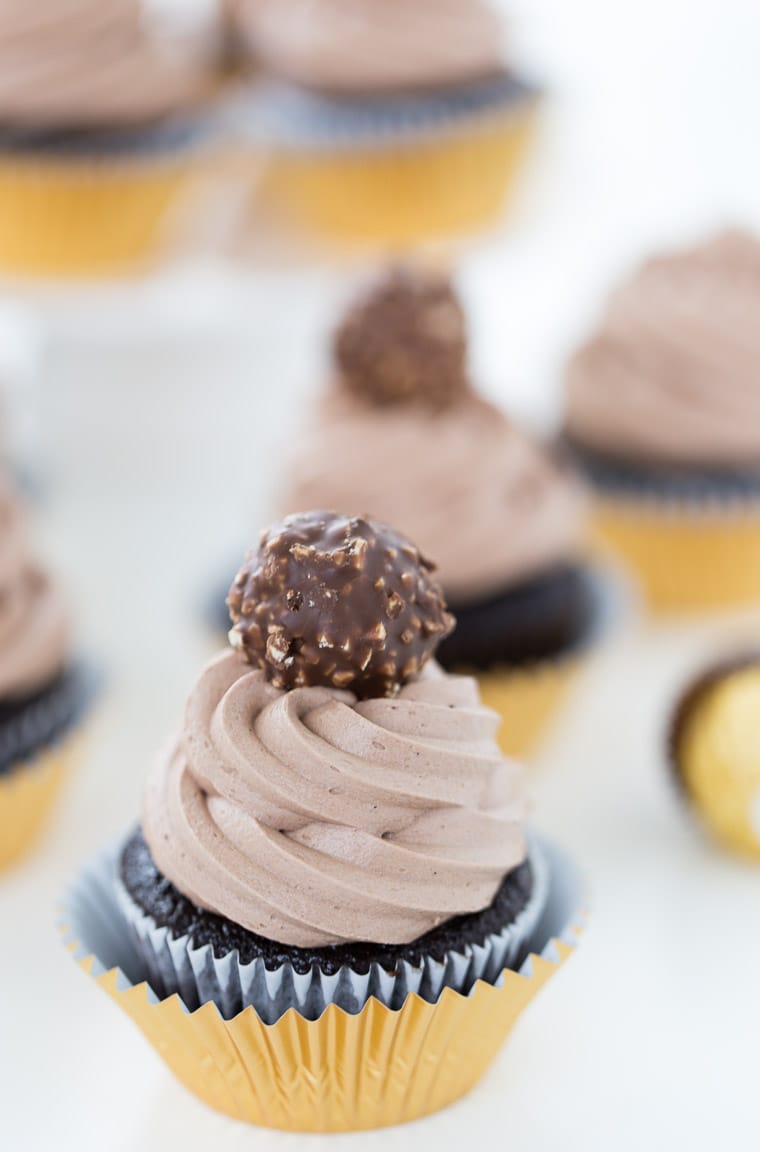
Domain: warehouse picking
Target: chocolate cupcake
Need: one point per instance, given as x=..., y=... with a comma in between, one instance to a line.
x=663, y=414
x=713, y=750
x=315, y=842
x=386, y=123
x=333, y=871
x=402, y=434
x=43, y=692
x=105, y=138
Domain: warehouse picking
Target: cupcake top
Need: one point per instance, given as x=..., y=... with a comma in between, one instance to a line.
x=374, y=46
x=319, y=815
x=671, y=375
x=89, y=63
x=34, y=625
x=402, y=435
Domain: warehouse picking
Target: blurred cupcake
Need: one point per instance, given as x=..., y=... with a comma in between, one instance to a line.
x=42, y=692
x=390, y=121
x=403, y=435
x=333, y=871
x=714, y=750
x=100, y=133
x=663, y=413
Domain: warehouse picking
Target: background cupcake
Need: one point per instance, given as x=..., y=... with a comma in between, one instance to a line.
x=99, y=131
x=335, y=828
x=663, y=412
x=389, y=121
x=42, y=692
x=403, y=435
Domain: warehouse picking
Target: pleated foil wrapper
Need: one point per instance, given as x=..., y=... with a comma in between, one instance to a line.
x=174, y=965
x=344, y=1070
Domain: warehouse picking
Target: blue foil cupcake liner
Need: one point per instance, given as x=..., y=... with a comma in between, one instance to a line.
x=172, y=136
x=273, y=114
x=173, y=965
x=677, y=485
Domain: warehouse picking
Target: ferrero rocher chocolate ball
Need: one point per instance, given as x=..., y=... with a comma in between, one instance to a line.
x=338, y=601
x=405, y=342
x=716, y=751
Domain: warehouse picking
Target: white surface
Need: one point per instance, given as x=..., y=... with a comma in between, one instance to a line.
x=163, y=412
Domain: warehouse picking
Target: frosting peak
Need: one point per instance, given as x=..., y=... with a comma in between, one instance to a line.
x=356, y=46
x=672, y=374
x=313, y=819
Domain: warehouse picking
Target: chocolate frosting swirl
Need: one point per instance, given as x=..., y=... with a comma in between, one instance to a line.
x=34, y=627
x=672, y=374
x=464, y=483
x=312, y=818
x=83, y=63
x=356, y=46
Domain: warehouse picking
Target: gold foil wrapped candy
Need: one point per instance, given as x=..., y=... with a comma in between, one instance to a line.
x=716, y=751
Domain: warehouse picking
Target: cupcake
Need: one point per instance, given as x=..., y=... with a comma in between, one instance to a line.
x=403, y=435
x=713, y=750
x=663, y=413
x=388, y=122
x=43, y=693
x=332, y=873
x=99, y=128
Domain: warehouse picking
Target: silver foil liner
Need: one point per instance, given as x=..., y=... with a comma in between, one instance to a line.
x=198, y=976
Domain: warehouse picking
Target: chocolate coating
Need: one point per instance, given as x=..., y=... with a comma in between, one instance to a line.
x=405, y=342
x=337, y=601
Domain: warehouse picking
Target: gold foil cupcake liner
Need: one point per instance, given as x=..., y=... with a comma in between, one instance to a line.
x=445, y=186
x=341, y=1072
x=27, y=795
x=687, y=557
x=529, y=696
x=83, y=217
x=528, y=699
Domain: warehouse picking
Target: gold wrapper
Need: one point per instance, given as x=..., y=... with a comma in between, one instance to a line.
x=341, y=1072
x=719, y=758
x=90, y=217
x=528, y=699
x=27, y=796
x=396, y=195
x=685, y=560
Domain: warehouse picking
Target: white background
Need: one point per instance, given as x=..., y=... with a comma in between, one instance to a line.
x=163, y=416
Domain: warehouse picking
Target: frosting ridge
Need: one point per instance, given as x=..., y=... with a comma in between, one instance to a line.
x=313, y=819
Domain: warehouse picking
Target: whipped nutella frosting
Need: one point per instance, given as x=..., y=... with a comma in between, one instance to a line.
x=673, y=374
x=314, y=819
x=373, y=45
x=84, y=63
x=34, y=628
x=467, y=485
